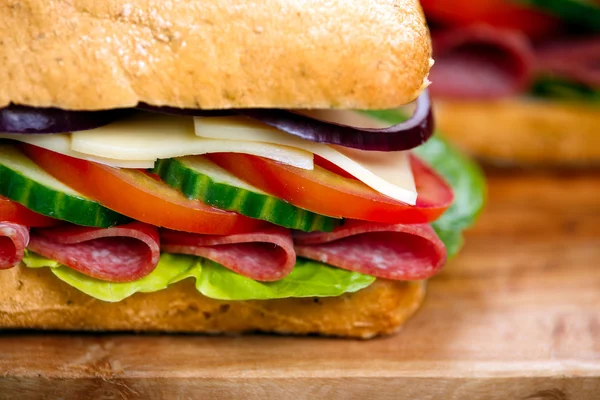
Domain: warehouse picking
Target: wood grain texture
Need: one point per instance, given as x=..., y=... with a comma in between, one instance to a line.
x=515, y=316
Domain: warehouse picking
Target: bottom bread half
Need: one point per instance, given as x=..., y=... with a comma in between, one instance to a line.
x=36, y=299
x=524, y=131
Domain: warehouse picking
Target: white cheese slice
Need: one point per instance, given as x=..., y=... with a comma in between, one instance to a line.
x=61, y=143
x=150, y=136
x=389, y=173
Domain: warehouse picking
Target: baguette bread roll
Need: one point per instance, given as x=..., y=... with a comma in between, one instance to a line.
x=213, y=54
x=524, y=131
x=36, y=299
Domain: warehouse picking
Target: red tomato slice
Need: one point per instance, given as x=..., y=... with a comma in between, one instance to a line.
x=325, y=192
x=498, y=13
x=328, y=165
x=139, y=196
x=12, y=211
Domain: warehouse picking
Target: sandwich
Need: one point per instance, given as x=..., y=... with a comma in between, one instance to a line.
x=201, y=167
x=517, y=81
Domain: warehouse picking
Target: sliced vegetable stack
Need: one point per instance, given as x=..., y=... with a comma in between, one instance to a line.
x=252, y=204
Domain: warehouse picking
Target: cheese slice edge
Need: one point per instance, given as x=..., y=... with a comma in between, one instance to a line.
x=389, y=173
x=152, y=136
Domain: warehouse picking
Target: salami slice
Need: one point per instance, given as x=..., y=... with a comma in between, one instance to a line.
x=266, y=255
x=401, y=252
x=13, y=240
x=481, y=62
x=574, y=59
x=120, y=254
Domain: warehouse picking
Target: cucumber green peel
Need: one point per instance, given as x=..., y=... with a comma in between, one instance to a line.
x=198, y=178
x=25, y=182
x=584, y=14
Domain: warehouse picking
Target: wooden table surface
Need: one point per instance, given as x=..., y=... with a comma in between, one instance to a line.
x=515, y=316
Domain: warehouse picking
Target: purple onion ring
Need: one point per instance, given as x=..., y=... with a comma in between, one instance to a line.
x=24, y=119
x=404, y=136
x=190, y=112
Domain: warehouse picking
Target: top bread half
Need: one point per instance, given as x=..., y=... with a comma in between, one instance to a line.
x=213, y=54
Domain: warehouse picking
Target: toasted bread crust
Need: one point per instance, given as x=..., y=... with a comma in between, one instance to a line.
x=89, y=55
x=36, y=299
x=524, y=131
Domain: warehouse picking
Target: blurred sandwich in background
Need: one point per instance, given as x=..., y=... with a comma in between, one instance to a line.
x=518, y=81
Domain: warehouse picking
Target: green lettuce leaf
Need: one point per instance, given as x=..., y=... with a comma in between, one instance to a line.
x=464, y=175
x=308, y=279
x=467, y=181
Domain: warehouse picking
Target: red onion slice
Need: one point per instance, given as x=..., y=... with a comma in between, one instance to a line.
x=24, y=119
x=405, y=136
x=191, y=112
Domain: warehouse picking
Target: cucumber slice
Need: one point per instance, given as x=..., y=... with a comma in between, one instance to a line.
x=583, y=13
x=199, y=178
x=25, y=182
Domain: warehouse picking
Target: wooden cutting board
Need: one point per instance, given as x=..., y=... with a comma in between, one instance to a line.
x=515, y=316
